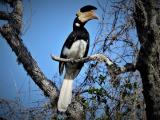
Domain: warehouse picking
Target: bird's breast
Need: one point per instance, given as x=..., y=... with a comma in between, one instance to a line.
x=77, y=50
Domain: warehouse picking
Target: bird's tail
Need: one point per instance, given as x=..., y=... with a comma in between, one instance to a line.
x=65, y=95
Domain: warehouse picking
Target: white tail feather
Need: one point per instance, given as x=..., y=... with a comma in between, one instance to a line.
x=65, y=95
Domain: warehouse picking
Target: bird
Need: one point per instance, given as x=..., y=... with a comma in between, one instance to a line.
x=76, y=46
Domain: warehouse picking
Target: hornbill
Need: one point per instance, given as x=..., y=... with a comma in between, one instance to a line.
x=76, y=46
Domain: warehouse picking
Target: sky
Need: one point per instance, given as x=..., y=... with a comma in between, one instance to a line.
x=46, y=26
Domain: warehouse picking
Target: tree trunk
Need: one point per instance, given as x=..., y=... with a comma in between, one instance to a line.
x=147, y=18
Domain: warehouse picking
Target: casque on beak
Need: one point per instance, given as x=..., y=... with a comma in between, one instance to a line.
x=86, y=16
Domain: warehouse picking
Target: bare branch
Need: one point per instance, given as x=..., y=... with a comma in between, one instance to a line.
x=99, y=57
x=29, y=64
x=4, y=15
x=17, y=13
x=11, y=32
x=113, y=67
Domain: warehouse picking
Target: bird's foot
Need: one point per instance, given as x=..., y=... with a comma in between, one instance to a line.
x=72, y=60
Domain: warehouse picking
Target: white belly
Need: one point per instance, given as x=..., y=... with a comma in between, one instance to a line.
x=77, y=49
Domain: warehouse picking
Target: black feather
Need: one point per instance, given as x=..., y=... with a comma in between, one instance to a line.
x=87, y=8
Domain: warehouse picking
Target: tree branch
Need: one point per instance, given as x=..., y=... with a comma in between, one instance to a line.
x=29, y=64
x=4, y=15
x=99, y=57
x=9, y=32
x=113, y=67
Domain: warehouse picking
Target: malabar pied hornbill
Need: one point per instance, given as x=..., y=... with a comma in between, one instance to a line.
x=76, y=46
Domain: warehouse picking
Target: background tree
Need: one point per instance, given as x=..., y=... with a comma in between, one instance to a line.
x=127, y=51
x=147, y=19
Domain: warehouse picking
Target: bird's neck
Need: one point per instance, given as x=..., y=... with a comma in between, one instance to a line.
x=77, y=24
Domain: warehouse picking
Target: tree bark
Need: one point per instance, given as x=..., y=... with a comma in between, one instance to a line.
x=147, y=18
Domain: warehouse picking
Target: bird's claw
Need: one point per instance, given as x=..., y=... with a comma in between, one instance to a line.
x=72, y=60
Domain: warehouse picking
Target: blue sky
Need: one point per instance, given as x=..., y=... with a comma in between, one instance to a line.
x=46, y=26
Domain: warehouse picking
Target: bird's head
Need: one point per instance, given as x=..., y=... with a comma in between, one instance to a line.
x=86, y=13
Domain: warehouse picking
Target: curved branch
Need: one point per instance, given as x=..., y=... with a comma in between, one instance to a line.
x=112, y=67
x=29, y=64
x=99, y=57
x=9, y=32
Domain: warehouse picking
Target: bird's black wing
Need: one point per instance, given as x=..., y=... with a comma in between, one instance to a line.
x=68, y=43
x=61, y=66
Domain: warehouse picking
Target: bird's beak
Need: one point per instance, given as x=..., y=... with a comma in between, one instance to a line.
x=86, y=16
x=94, y=15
